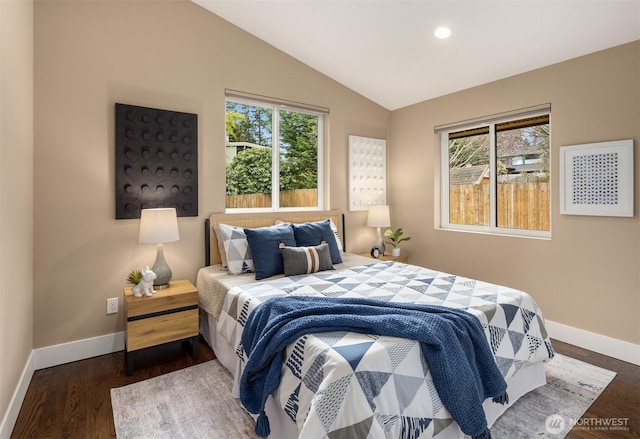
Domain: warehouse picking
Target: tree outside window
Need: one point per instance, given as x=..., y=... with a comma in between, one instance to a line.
x=265, y=152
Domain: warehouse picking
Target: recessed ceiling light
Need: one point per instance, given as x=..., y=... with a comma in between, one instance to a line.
x=442, y=32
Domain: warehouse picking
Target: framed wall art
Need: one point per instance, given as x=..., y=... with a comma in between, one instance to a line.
x=597, y=179
x=156, y=160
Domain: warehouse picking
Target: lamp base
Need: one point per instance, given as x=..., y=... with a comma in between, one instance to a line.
x=161, y=269
x=379, y=243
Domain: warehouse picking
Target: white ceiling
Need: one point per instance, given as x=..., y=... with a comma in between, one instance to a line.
x=386, y=51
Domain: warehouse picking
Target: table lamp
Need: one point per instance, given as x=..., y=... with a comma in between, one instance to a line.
x=158, y=226
x=378, y=217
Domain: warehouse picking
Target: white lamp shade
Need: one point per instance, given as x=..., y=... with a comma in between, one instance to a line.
x=378, y=216
x=158, y=226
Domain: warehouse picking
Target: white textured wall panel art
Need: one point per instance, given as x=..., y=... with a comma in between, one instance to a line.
x=367, y=172
x=597, y=179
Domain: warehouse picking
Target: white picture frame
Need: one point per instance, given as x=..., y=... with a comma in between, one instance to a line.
x=597, y=179
x=367, y=172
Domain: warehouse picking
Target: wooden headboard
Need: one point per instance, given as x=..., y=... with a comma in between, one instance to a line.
x=252, y=220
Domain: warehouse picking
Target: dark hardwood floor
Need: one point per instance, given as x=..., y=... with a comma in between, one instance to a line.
x=73, y=400
x=620, y=401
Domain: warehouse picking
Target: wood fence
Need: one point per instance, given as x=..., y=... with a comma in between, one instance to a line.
x=294, y=198
x=519, y=205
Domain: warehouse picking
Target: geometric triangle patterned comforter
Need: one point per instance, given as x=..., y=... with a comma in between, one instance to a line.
x=345, y=385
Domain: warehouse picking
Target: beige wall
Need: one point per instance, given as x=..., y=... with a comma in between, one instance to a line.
x=16, y=194
x=172, y=55
x=587, y=275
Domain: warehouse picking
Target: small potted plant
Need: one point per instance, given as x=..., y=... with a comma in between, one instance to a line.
x=135, y=277
x=395, y=238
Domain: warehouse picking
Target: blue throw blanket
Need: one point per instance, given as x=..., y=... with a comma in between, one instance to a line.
x=453, y=342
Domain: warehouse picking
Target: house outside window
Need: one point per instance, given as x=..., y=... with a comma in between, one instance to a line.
x=273, y=155
x=495, y=175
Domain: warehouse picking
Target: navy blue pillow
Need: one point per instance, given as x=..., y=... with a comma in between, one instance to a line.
x=264, y=243
x=310, y=234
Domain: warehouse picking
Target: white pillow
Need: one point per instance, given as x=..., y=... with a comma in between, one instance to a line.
x=236, y=248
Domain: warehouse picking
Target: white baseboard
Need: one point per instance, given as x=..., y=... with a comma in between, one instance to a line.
x=11, y=416
x=611, y=347
x=78, y=350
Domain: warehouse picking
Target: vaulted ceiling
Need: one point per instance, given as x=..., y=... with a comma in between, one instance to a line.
x=386, y=49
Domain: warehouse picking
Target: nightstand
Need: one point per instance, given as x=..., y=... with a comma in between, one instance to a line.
x=171, y=314
x=387, y=257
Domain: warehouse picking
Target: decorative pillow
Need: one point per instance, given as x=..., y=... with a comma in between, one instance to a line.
x=334, y=229
x=221, y=250
x=304, y=260
x=309, y=234
x=264, y=243
x=236, y=248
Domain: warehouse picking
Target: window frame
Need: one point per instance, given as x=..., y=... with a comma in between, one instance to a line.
x=276, y=106
x=489, y=123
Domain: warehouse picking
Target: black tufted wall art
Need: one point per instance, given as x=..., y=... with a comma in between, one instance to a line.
x=156, y=161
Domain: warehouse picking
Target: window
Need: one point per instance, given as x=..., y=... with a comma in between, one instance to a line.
x=495, y=174
x=270, y=144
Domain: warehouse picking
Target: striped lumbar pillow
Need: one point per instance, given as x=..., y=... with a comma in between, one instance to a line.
x=303, y=260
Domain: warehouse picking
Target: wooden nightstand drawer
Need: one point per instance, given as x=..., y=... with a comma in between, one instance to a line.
x=170, y=314
x=181, y=293
x=152, y=331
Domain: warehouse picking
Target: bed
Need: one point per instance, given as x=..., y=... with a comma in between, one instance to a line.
x=346, y=384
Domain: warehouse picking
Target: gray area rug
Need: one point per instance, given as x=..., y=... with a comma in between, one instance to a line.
x=550, y=411
x=196, y=403
x=192, y=403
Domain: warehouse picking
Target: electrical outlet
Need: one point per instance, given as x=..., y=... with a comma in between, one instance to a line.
x=112, y=305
